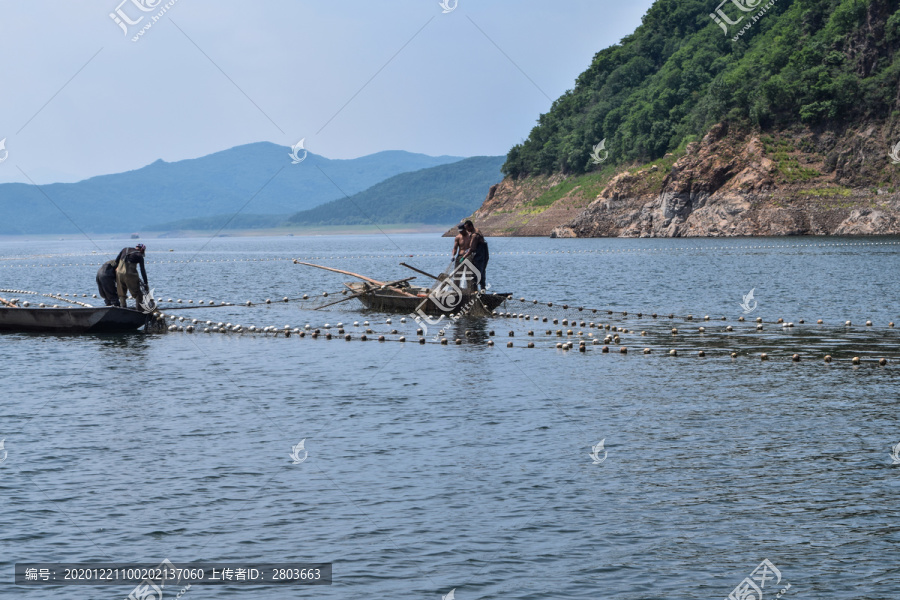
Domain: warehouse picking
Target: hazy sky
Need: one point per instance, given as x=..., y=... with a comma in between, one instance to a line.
x=79, y=98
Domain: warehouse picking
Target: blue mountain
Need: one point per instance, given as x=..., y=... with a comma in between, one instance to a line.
x=255, y=178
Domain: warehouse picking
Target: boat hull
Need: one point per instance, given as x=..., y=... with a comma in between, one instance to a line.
x=108, y=319
x=388, y=301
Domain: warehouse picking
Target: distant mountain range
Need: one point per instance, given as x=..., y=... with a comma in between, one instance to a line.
x=257, y=179
x=435, y=196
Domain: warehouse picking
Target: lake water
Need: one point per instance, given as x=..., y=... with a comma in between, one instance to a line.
x=433, y=468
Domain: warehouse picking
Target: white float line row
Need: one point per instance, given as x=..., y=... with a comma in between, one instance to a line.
x=287, y=332
x=612, y=337
x=498, y=253
x=542, y=318
x=210, y=303
x=654, y=315
x=315, y=333
x=702, y=330
x=59, y=297
x=161, y=262
x=707, y=318
x=545, y=319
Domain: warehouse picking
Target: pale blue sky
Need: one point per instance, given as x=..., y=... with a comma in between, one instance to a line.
x=450, y=90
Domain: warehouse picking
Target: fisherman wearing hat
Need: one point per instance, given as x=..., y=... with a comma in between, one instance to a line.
x=127, y=276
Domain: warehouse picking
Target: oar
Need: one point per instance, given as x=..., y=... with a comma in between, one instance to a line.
x=350, y=297
x=357, y=275
x=364, y=278
x=420, y=271
x=7, y=303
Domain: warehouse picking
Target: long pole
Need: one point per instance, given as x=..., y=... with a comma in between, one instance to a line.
x=420, y=271
x=363, y=277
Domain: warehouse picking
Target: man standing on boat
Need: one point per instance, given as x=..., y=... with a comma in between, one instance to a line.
x=106, y=283
x=460, y=246
x=477, y=252
x=127, y=276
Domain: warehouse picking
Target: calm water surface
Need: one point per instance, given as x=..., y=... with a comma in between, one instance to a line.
x=437, y=467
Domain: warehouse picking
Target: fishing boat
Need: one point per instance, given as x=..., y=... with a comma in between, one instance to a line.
x=411, y=299
x=443, y=298
x=75, y=319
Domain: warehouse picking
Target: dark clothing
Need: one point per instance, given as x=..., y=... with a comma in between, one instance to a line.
x=480, y=257
x=106, y=283
x=481, y=262
x=132, y=258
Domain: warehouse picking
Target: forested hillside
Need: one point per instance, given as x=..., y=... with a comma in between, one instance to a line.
x=818, y=63
x=750, y=117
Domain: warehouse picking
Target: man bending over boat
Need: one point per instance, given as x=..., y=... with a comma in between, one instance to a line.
x=127, y=276
x=106, y=283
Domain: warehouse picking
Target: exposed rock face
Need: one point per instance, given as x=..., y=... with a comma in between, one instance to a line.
x=724, y=185
x=508, y=208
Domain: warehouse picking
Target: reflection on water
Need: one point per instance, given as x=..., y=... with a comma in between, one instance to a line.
x=471, y=330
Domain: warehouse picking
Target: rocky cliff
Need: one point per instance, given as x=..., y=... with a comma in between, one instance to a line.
x=729, y=183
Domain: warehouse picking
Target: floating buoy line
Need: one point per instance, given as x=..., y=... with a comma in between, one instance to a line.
x=561, y=327
x=596, y=337
x=437, y=254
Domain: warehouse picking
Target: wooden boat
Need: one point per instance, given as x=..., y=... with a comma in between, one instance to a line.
x=401, y=297
x=74, y=319
x=407, y=299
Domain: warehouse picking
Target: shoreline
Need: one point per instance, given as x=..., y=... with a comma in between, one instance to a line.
x=230, y=233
